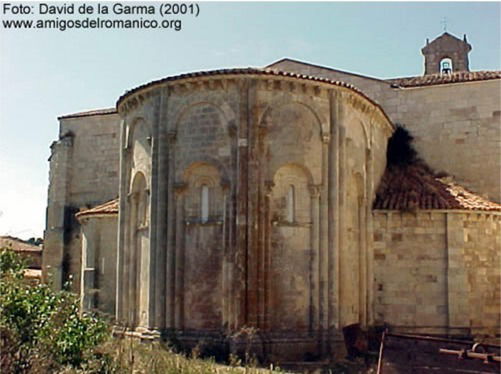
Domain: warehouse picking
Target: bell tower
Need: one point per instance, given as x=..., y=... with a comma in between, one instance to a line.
x=446, y=54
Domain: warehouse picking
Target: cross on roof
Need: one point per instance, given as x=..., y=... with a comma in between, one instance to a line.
x=444, y=23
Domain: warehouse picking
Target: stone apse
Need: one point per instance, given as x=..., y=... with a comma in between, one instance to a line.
x=245, y=202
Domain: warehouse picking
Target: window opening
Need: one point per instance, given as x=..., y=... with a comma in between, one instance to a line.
x=291, y=204
x=204, y=204
x=446, y=66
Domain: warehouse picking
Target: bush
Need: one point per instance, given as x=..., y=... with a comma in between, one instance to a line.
x=42, y=330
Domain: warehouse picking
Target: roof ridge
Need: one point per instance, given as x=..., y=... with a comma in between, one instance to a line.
x=440, y=74
x=381, y=80
x=438, y=78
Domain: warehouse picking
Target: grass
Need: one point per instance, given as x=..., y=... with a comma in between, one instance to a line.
x=128, y=355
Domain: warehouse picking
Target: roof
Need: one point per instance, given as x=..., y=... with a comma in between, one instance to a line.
x=109, y=208
x=414, y=186
x=87, y=113
x=456, y=77
x=250, y=71
x=326, y=68
x=415, y=81
x=18, y=245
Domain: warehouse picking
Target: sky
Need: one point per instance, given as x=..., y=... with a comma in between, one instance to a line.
x=48, y=73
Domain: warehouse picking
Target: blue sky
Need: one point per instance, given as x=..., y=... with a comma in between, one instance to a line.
x=44, y=74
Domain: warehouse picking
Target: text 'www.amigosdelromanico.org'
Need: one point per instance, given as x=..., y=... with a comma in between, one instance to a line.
x=67, y=16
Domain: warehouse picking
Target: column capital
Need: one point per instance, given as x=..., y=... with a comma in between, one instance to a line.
x=180, y=188
x=268, y=187
x=171, y=137
x=315, y=189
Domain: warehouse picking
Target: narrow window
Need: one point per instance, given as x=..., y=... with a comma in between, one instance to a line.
x=291, y=204
x=204, y=204
x=446, y=66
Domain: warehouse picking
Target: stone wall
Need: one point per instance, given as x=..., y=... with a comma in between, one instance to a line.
x=83, y=173
x=437, y=272
x=99, y=256
x=250, y=177
x=457, y=127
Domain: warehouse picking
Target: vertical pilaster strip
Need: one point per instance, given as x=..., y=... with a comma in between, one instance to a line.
x=324, y=244
x=121, y=289
x=159, y=262
x=131, y=264
x=171, y=232
x=253, y=191
x=334, y=212
x=341, y=212
x=362, y=221
x=267, y=251
x=232, y=248
x=154, y=254
x=261, y=218
x=179, y=259
x=225, y=265
x=369, y=320
x=315, y=264
x=241, y=257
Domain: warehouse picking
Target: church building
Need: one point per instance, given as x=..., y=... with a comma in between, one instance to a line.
x=292, y=201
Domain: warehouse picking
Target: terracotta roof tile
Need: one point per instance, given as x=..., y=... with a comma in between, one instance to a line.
x=414, y=186
x=304, y=63
x=250, y=71
x=108, y=208
x=456, y=77
x=18, y=245
x=87, y=113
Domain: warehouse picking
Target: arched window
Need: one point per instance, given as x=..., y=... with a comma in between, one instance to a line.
x=446, y=66
x=291, y=204
x=204, y=203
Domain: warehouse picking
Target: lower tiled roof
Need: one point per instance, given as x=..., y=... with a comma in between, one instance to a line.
x=18, y=245
x=456, y=77
x=108, y=208
x=411, y=187
x=94, y=112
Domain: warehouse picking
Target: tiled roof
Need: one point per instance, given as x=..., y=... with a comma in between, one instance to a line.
x=414, y=186
x=304, y=63
x=109, y=208
x=87, y=113
x=456, y=77
x=249, y=71
x=18, y=245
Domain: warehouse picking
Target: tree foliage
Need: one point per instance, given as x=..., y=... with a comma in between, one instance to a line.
x=42, y=330
x=400, y=150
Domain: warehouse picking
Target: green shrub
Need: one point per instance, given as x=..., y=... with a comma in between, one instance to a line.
x=42, y=330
